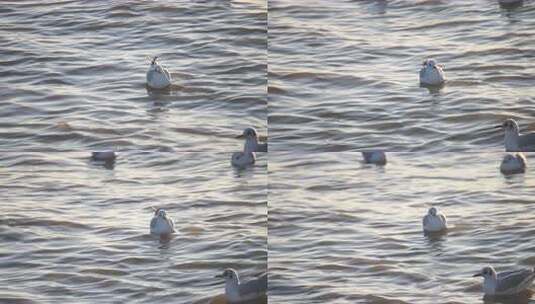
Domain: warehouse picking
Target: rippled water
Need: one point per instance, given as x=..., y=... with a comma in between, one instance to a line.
x=343, y=75
x=344, y=232
x=72, y=231
x=73, y=74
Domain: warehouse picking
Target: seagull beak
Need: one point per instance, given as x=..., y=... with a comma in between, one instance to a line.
x=219, y=276
x=498, y=127
x=240, y=136
x=477, y=275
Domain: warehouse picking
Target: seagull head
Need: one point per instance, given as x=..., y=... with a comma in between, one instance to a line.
x=430, y=62
x=229, y=274
x=248, y=133
x=509, y=125
x=486, y=272
x=160, y=213
x=432, y=211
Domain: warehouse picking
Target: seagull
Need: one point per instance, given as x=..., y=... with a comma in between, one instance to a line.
x=434, y=221
x=374, y=157
x=512, y=164
x=161, y=224
x=251, y=140
x=505, y=283
x=158, y=77
x=237, y=292
x=513, y=140
x=103, y=156
x=243, y=159
x=432, y=73
x=248, y=156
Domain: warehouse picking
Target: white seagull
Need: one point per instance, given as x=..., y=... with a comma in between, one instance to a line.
x=505, y=283
x=236, y=291
x=374, y=157
x=251, y=140
x=432, y=73
x=513, y=140
x=158, y=77
x=434, y=221
x=248, y=156
x=512, y=164
x=161, y=224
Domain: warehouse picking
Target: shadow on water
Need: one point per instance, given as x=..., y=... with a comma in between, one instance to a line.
x=165, y=242
x=221, y=299
x=521, y=298
x=512, y=179
x=378, y=168
x=168, y=91
x=433, y=89
x=435, y=239
x=107, y=164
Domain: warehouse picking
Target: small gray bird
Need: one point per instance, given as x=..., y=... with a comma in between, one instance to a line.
x=237, y=292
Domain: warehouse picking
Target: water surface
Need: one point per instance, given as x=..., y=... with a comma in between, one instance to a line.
x=72, y=231
x=343, y=75
x=344, y=232
x=73, y=74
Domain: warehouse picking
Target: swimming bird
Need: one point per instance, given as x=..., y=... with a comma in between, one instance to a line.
x=248, y=156
x=158, y=77
x=103, y=156
x=432, y=73
x=505, y=283
x=434, y=221
x=237, y=292
x=251, y=140
x=512, y=164
x=161, y=224
x=374, y=157
x=243, y=159
x=513, y=140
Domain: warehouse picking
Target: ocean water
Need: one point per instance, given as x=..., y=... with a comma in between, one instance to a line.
x=341, y=231
x=343, y=75
x=73, y=231
x=73, y=74
x=320, y=76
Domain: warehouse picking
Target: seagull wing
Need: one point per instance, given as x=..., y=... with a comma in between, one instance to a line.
x=150, y=75
x=422, y=73
x=425, y=221
x=527, y=142
x=153, y=223
x=443, y=218
x=256, y=287
x=367, y=156
x=514, y=281
x=167, y=73
x=262, y=148
x=172, y=224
